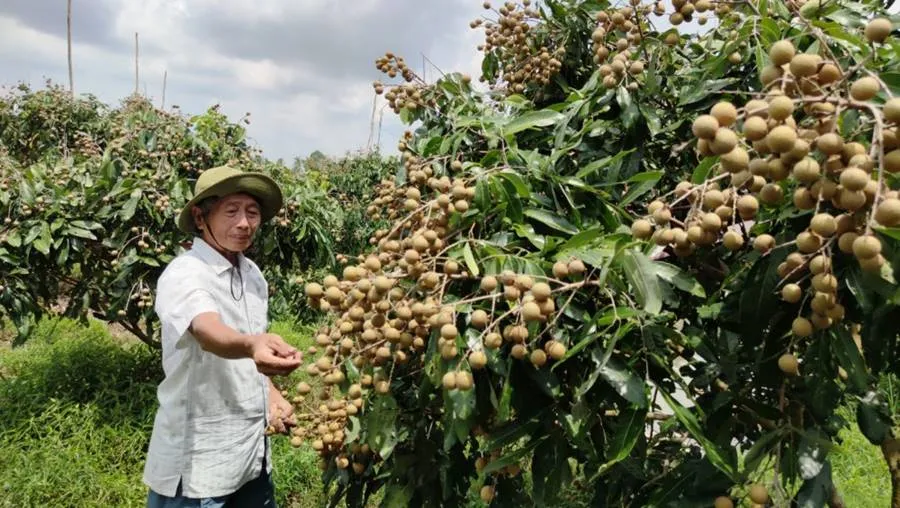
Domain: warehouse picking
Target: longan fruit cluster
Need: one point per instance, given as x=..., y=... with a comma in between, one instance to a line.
x=623, y=26
x=782, y=140
x=683, y=11
x=524, y=61
x=389, y=304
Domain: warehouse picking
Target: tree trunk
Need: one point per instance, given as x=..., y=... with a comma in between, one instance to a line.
x=891, y=450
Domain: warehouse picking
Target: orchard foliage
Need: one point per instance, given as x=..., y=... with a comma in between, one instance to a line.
x=644, y=267
x=89, y=196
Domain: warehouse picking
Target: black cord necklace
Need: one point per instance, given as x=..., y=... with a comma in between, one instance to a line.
x=234, y=268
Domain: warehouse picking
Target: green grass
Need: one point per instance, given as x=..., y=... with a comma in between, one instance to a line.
x=76, y=412
x=77, y=407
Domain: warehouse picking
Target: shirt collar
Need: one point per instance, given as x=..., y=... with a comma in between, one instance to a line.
x=212, y=257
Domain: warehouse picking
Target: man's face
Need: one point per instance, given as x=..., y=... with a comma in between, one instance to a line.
x=233, y=220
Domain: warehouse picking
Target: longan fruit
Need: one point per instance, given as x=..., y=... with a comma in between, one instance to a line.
x=830, y=143
x=823, y=224
x=759, y=494
x=724, y=141
x=723, y=502
x=724, y=112
x=801, y=327
x=866, y=247
x=781, y=52
x=781, y=139
x=878, y=30
x=805, y=64
x=705, y=126
x=755, y=128
x=864, y=88
x=732, y=240
x=854, y=179
x=781, y=107
x=807, y=170
x=791, y=293
x=891, y=110
x=888, y=212
x=789, y=365
x=764, y=243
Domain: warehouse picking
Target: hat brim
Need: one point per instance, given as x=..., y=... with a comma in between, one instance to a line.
x=258, y=185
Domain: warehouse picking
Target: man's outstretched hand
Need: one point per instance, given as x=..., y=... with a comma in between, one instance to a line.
x=281, y=413
x=273, y=356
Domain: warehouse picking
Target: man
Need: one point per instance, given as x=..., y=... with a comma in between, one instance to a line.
x=209, y=446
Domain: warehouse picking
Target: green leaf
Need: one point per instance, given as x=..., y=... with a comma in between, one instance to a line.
x=760, y=449
x=379, y=424
x=845, y=350
x=891, y=232
x=14, y=239
x=551, y=219
x=679, y=278
x=701, y=172
x=811, y=453
x=42, y=243
x=518, y=183
x=816, y=491
x=873, y=418
x=630, y=428
x=512, y=457
x=470, y=260
x=645, y=181
x=80, y=232
x=602, y=163
x=549, y=471
x=630, y=112
x=641, y=274
x=715, y=455
x=625, y=382
x=530, y=120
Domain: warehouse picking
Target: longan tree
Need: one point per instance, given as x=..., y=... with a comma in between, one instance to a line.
x=626, y=267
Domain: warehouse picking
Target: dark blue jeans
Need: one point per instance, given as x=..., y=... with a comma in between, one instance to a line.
x=258, y=493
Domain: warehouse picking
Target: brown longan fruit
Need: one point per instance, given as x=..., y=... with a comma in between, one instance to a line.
x=846, y=240
x=808, y=242
x=781, y=107
x=755, y=128
x=724, y=141
x=705, y=126
x=789, y=365
x=823, y=224
x=878, y=30
x=732, y=240
x=888, y=212
x=864, y=88
x=830, y=143
x=781, y=139
x=866, y=247
x=892, y=161
x=805, y=64
x=829, y=73
x=724, y=112
x=820, y=264
x=891, y=110
x=791, y=293
x=764, y=243
x=854, y=179
x=747, y=206
x=781, y=52
x=723, y=502
x=807, y=170
x=801, y=327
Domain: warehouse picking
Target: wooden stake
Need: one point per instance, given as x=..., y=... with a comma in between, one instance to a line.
x=165, y=74
x=69, y=42
x=136, y=54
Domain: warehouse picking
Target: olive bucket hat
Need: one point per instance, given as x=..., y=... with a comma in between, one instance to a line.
x=222, y=181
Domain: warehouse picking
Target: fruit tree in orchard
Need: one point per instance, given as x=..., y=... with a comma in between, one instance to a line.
x=625, y=267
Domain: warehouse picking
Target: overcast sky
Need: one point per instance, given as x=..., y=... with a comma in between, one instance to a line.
x=302, y=68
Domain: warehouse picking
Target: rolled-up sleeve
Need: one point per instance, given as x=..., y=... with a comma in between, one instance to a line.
x=182, y=294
